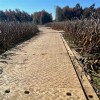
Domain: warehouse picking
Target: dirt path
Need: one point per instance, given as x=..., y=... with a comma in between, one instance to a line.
x=42, y=68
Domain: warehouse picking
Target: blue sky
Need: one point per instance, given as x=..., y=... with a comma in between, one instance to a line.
x=31, y=6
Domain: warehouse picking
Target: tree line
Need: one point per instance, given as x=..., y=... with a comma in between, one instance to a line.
x=77, y=12
x=42, y=17
x=16, y=15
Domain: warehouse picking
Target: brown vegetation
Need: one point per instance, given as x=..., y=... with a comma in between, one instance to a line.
x=84, y=33
x=12, y=33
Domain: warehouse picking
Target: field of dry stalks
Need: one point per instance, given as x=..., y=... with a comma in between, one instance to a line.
x=12, y=33
x=84, y=33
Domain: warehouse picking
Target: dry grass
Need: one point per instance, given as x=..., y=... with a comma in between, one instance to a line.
x=84, y=33
x=12, y=33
